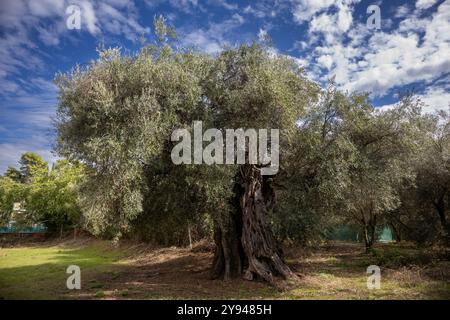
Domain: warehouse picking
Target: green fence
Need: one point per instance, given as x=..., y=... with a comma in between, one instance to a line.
x=347, y=233
x=37, y=229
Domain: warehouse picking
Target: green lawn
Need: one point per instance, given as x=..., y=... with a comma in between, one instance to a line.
x=39, y=272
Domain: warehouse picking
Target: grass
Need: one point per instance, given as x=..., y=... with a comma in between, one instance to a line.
x=339, y=272
x=335, y=271
x=39, y=272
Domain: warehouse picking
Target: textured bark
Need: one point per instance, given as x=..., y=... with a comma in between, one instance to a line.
x=369, y=237
x=440, y=207
x=441, y=210
x=397, y=232
x=262, y=251
x=249, y=247
x=228, y=256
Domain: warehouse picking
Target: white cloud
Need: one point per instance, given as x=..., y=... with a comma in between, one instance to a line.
x=27, y=122
x=326, y=61
x=262, y=34
x=418, y=51
x=212, y=39
x=225, y=4
x=89, y=18
x=19, y=19
x=306, y=9
x=261, y=9
x=424, y=4
x=403, y=11
x=186, y=6
x=436, y=99
x=433, y=99
x=401, y=58
x=114, y=21
x=46, y=8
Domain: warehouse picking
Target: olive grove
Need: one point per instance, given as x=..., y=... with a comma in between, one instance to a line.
x=341, y=159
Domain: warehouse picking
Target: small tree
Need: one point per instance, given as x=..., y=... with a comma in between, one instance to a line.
x=433, y=171
x=383, y=145
x=32, y=165
x=52, y=198
x=10, y=192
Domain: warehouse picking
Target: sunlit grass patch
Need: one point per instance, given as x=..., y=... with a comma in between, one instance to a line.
x=40, y=272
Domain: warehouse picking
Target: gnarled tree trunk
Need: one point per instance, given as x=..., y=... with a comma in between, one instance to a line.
x=245, y=243
x=440, y=208
x=369, y=237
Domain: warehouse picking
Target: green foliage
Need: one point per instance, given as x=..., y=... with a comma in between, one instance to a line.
x=162, y=30
x=52, y=198
x=10, y=192
x=13, y=174
x=47, y=197
x=31, y=166
x=117, y=116
x=423, y=215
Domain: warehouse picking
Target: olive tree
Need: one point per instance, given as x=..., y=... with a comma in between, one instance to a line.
x=383, y=142
x=117, y=116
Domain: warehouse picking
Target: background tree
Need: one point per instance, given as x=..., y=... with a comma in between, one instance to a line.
x=434, y=175
x=383, y=143
x=423, y=216
x=14, y=174
x=10, y=192
x=47, y=197
x=315, y=176
x=32, y=165
x=15, y=186
x=52, y=198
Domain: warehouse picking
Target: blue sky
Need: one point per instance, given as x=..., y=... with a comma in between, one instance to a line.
x=410, y=51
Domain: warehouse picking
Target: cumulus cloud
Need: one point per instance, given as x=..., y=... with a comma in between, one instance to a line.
x=212, y=39
x=261, y=9
x=378, y=61
x=436, y=99
x=21, y=18
x=304, y=10
x=425, y=4
x=325, y=61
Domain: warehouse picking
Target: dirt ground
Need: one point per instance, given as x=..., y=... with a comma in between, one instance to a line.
x=130, y=271
x=170, y=273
